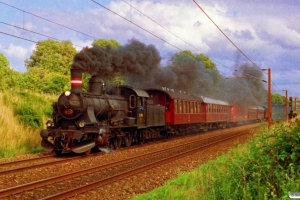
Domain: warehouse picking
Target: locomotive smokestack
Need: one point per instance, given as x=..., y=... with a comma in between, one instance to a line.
x=76, y=80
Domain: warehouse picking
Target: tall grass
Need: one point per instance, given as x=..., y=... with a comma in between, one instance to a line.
x=23, y=114
x=267, y=167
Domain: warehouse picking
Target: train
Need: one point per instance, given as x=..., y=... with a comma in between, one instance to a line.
x=101, y=119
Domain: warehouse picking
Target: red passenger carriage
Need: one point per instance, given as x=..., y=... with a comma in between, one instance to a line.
x=186, y=110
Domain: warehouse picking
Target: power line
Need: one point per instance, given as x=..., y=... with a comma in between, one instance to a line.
x=185, y=41
x=170, y=31
x=124, y=19
x=159, y=25
x=229, y=39
x=226, y=35
x=18, y=37
x=48, y=20
x=136, y=25
x=36, y=33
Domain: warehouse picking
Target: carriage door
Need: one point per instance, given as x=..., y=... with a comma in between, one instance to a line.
x=141, y=114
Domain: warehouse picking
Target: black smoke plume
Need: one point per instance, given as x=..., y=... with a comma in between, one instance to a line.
x=140, y=65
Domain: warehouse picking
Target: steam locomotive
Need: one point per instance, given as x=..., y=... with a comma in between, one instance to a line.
x=104, y=120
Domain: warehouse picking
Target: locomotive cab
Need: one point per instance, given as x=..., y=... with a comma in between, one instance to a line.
x=137, y=100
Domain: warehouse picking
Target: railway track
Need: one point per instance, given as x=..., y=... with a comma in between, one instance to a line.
x=99, y=175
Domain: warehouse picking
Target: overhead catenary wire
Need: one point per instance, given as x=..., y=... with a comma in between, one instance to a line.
x=161, y=25
x=225, y=35
x=229, y=38
x=72, y=28
x=124, y=19
x=172, y=33
x=48, y=20
x=136, y=25
x=18, y=37
x=36, y=33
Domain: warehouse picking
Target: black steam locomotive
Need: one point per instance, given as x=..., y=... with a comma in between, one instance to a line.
x=95, y=119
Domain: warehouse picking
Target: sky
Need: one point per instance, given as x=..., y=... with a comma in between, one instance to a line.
x=264, y=32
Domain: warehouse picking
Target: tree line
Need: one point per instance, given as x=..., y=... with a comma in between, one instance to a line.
x=48, y=68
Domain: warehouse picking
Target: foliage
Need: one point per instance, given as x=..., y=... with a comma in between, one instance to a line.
x=54, y=83
x=41, y=80
x=53, y=56
x=104, y=43
x=268, y=167
x=17, y=132
x=29, y=108
x=278, y=99
x=4, y=63
x=208, y=63
x=9, y=77
x=29, y=116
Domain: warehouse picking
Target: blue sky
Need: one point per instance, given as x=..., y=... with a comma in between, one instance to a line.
x=267, y=32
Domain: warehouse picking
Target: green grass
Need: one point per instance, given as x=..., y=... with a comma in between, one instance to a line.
x=267, y=167
x=23, y=115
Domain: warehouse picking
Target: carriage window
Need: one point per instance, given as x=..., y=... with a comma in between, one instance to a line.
x=176, y=106
x=199, y=107
x=132, y=101
x=180, y=108
x=192, y=107
x=184, y=107
x=188, y=107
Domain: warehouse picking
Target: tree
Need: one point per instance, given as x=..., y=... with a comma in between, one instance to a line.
x=9, y=77
x=104, y=43
x=52, y=55
x=278, y=99
x=55, y=83
x=208, y=63
x=4, y=63
x=33, y=79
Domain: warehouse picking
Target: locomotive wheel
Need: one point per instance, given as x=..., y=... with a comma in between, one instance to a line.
x=117, y=141
x=127, y=140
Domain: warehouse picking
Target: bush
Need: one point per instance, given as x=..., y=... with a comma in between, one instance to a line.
x=29, y=108
x=267, y=167
x=27, y=115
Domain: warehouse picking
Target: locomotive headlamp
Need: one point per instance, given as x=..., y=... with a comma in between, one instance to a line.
x=49, y=123
x=81, y=124
x=67, y=93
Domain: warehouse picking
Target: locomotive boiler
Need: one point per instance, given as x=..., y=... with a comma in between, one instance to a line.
x=84, y=120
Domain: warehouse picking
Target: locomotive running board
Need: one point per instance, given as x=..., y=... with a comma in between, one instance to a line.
x=83, y=146
x=47, y=145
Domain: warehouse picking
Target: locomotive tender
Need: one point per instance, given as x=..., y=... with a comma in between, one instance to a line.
x=95, y=119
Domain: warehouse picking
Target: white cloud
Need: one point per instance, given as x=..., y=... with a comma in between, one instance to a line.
x=17, y=52
x=17, y=55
